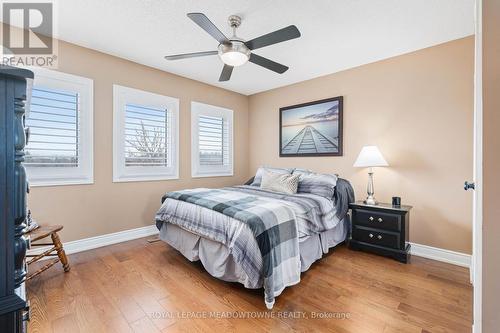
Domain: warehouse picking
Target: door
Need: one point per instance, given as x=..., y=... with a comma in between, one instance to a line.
x=477, y=223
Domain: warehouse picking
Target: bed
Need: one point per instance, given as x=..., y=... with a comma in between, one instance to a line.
x=254, y=236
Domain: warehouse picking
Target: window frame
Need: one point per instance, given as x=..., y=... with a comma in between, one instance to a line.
x=84, y=172
x=121, y=97
x=198, y=171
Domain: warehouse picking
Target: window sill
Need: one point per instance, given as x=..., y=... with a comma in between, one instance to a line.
x=126, y=179
x=51, y=183
x=212, y=174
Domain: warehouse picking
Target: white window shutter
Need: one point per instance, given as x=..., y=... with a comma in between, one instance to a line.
x=54, y=129
x=60, y=122
x=145, y=135
x=212, y=140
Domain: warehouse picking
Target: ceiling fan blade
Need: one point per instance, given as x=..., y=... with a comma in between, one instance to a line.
x=269, y=64
x=275, y=37
x=208, y=26
x=190, y=55
x=225, y=75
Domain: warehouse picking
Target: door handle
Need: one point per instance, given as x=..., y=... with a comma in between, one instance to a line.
x=468, y=186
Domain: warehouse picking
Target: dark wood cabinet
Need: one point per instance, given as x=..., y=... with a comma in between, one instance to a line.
x=13, y=187
x=382, y=229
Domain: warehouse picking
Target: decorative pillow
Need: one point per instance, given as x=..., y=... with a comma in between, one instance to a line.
x=279, y=182
x=258, y=175
x=317, y=183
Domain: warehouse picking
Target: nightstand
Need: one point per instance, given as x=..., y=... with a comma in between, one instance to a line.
x=382, y=229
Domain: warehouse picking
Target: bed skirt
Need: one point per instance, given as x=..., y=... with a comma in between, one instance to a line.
x=219, y=262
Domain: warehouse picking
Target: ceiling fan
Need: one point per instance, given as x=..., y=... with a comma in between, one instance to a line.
x=235, y=51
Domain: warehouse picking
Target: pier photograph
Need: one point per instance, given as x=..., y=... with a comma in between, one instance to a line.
x=312, y=129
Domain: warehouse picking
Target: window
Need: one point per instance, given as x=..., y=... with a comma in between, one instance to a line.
x=145, y=135
x=212, y=140
x=60, y=122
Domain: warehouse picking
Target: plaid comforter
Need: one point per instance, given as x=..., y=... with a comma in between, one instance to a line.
x=272, y=222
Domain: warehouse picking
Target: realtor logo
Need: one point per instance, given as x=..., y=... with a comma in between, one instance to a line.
x=37, y=27
x=28, y=28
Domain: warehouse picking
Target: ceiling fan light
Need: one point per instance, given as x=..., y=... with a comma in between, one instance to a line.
x=235, y=54
x=234, y=58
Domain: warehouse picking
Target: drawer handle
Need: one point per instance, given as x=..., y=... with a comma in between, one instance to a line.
x=379, y=237
x=380, y=220
x=371, y=218
x=370, y=235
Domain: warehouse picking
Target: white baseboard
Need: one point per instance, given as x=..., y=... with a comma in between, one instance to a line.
x=102, y=240
x=450, y=257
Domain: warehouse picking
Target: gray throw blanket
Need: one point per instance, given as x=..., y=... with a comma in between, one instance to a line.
x=344, y=194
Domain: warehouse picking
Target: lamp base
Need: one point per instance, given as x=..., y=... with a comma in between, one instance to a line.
x=370, y=200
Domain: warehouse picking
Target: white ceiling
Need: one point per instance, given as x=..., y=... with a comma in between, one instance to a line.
x=336, y=34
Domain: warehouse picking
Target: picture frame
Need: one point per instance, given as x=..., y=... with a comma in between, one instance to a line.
x=312, y=129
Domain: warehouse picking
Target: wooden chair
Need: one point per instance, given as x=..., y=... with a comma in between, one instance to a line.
x=56, y=246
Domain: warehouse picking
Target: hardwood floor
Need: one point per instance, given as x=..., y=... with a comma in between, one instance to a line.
x=149, y=287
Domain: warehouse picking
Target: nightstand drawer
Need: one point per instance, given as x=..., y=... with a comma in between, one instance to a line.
x=379, y=220
x=375, y=237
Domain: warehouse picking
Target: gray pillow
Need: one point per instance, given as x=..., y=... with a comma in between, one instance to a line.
x=305, y=171
x=279, y=182
x=322, y=184
x=258, y=176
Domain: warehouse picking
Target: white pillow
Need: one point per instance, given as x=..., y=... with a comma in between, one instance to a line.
x=278, y=182
x=258, y=176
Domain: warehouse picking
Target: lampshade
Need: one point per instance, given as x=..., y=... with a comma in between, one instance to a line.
x=370, y=156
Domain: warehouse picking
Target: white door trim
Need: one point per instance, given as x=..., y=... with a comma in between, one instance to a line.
x=477, y=227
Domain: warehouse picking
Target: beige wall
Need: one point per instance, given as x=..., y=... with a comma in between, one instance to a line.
x=105, y=207
x=418, y=109
x=491, y=166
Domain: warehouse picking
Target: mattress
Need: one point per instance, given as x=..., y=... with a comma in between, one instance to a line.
x=220, y=263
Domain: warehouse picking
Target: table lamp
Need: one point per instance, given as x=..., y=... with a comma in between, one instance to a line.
x=370, y=157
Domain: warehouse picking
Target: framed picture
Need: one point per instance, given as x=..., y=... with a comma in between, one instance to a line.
x=312, y=129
